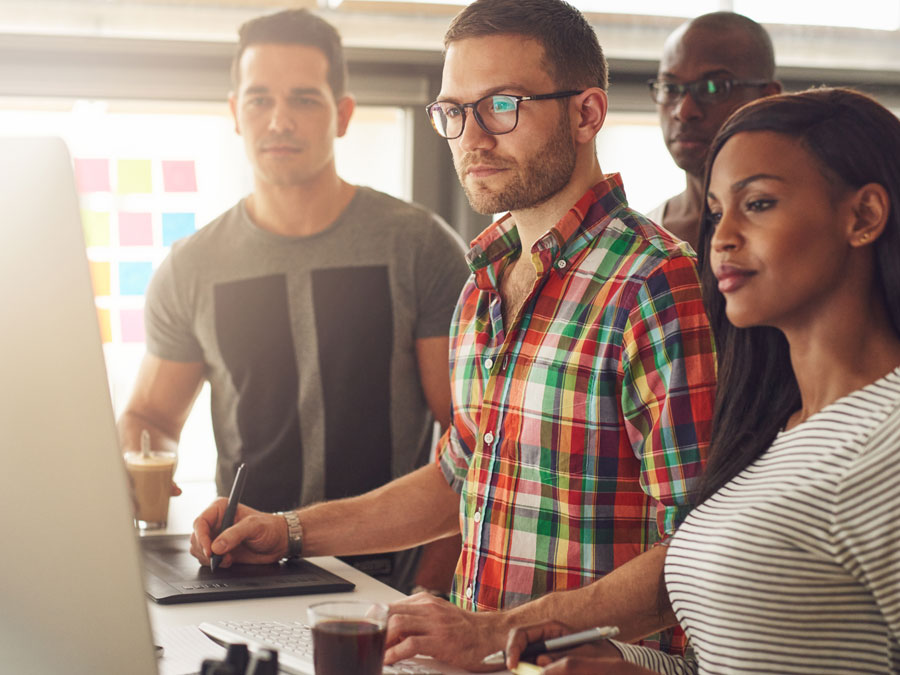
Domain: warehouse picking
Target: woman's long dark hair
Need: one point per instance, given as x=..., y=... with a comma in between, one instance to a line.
x=855, y=140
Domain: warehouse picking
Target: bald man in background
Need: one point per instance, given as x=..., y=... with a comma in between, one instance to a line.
x=710, y=67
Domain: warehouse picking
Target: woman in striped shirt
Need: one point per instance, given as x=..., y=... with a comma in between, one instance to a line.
x=791, y=563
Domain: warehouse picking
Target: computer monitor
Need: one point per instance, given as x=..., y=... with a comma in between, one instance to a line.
x=70, y=580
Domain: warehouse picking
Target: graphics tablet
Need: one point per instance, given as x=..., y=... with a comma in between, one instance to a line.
x=172, y=575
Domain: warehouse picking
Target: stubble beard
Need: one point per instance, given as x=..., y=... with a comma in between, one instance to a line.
x=532, y=182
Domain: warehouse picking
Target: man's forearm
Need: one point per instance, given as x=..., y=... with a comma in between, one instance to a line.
x=409, y=511
x=631, y=597
x=130, y=426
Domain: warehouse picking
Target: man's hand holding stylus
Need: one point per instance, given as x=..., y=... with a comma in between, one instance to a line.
x=256, y=537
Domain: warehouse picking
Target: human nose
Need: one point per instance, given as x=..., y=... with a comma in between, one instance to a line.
x=473, y=137
x=686, y=108
x=725, y=235
x=281, y=119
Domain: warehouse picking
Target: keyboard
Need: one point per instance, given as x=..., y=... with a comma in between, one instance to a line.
x=293, y=640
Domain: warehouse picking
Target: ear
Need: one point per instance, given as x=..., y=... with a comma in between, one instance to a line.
x=772, y=88
x=232, y=105
x=592, y=105
x=871, y=205
x=345, y=107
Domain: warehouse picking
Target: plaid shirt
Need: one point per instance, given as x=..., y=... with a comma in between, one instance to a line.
x=579, y=430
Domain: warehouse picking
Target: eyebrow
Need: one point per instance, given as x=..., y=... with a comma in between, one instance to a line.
x=741, y=184
x=490, y=92
x=721, y=72
x=297, y=91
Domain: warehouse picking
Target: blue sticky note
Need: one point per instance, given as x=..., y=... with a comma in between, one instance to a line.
x=134, y=277
x=177, y=225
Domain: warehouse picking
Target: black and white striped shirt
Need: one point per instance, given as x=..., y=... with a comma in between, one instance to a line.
x=794, y=565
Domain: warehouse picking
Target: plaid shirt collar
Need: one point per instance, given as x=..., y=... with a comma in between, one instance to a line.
x=566, y=241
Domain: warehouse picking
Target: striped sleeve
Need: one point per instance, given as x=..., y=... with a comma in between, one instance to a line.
x=655, y=660
x=865, y=529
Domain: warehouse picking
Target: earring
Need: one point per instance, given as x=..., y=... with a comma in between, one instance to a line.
x=864, y=237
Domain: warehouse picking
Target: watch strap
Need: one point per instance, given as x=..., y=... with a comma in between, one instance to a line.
x=294, y=532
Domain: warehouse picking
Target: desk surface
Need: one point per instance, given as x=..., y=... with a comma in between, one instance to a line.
x=182, y=511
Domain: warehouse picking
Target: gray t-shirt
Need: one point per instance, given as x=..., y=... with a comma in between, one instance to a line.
x=309, y=343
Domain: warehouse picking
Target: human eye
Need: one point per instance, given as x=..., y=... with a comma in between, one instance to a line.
x=713, y=217
x=670, y=88
x=304, y=101
x=502, y=104
x=257, y=101
x=758, y=205
x=713, y=86
x=450, y=110
x=713, y=89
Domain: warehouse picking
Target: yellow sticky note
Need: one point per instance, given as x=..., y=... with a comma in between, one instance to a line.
x=105, y=325
x=134, y=176
x=100, y=276
x=96, y=228
x=527, y=669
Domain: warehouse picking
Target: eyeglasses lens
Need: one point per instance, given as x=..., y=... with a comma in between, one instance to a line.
x=497, y=114
x=711, y=91
x=446, y=118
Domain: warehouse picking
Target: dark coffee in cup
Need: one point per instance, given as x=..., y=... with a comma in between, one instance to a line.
x=343, y=646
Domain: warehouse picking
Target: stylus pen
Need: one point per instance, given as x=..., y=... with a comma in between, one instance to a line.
x=556, y=644
x=237, y=488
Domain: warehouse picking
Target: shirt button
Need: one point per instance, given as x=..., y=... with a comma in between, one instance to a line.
x=561, y=264
x=469, y=592
x=489, y=363
x=489, y=438
x=477, y=517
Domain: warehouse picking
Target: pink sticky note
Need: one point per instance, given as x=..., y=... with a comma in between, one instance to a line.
x=135, y=229
x=132, y=323
x=92, y=175
x=179, y=176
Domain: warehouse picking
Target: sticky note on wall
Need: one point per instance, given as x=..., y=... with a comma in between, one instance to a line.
x=134, y=176
x=105, y=325
x=100, y=277
x=177, y=225
x=135, y=229
x=92, y=175
x=134, y=277
x=132, y=325
x=96, y=228
x=179, y=176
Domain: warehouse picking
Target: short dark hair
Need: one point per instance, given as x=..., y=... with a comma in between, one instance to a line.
x=762, y=52
x=294, y=27
x=573, y=56
x=854, y=141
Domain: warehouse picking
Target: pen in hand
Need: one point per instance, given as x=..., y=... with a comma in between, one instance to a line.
x=237, y=488
x=534, y=649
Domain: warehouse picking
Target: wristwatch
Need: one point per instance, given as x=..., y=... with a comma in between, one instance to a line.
x=295, y=533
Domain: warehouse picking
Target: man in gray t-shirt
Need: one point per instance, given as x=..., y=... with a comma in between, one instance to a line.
x=317, y=310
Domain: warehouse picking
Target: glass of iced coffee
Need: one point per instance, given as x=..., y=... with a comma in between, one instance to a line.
x=348, y=637
x=151, y=479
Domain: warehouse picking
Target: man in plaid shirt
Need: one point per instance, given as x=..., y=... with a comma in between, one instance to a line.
x=582, y=364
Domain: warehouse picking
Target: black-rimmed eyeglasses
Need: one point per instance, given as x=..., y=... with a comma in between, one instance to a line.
x=705, y=91
x=496, y=113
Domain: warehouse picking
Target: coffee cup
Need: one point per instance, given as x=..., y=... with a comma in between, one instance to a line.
x=151, y=480
x=348, y=637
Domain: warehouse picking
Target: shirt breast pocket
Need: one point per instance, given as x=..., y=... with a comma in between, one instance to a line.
x=559, y=403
